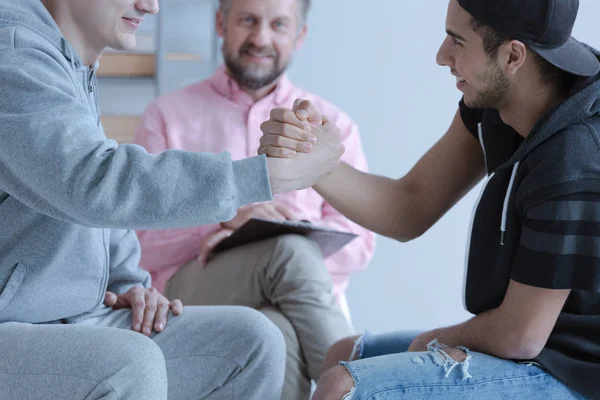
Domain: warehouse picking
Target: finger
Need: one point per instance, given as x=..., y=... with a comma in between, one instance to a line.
x=218, y=237
x=307, y=111
x=203, y=256
x=292, y=145
x=276, y=152
x=122, y=302
x=290, y=131
x=176, y=306
x=110, y=299
x=137, y=300
x=150, y=311
x=275, y=215
x=286, y=212
x=214, y=241
x=296, y=105
x=289, y=117
x=263, y=213
x=162, y=312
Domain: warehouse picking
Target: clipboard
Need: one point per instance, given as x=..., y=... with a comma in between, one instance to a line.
x=329, y=241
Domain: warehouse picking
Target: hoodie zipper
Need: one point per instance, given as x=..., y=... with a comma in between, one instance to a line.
x=93, y=103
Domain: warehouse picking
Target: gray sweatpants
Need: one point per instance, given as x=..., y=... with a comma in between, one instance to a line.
x=205, y=353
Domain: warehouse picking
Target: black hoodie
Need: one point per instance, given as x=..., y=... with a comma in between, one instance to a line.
x=538, y=223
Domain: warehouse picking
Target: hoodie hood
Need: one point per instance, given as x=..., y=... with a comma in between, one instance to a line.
x=583, y=103
x=33, y=15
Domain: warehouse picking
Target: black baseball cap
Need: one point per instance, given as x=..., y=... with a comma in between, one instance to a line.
x=543, y=25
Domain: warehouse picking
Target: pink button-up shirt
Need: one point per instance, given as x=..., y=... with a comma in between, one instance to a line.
x=215, y=116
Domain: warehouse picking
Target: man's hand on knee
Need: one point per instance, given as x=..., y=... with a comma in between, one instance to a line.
x=149, y=308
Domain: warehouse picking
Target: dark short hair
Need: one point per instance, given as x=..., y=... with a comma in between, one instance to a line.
x=492, y=40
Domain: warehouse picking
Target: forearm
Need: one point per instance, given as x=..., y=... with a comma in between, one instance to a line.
x=382, y=205
x=488, y=333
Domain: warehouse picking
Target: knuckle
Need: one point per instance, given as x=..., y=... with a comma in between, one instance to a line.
x=150, y=308
x=278, y=140
x=306, y=103
x=276, y=112
x=288, y=116
x=289, y=131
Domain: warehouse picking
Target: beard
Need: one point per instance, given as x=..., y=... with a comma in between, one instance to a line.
x=496, y=91
x=250, y=75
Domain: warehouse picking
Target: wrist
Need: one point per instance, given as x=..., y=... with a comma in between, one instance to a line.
x=278, y=171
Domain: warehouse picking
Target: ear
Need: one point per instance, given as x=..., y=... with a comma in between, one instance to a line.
x=301, y=37
x=220, y=23
x=513, y=56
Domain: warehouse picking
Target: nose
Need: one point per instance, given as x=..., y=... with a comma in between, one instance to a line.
x=261, y=35
x=147, y=6
x=444, y=54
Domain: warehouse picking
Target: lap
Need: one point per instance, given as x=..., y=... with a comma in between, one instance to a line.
x=67, y=361
x=214, y=330
x=205, y=348
x=398, y=374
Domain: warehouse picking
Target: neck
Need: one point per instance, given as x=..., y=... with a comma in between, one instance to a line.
x=530, y=105
x=89, y=53
x=261, y=93
x=257, y=94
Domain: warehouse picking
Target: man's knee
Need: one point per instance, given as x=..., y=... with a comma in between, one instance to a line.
x=336, y=384
x=302, y=256
x=140, y=366
x=343, y=350
x=268, y=339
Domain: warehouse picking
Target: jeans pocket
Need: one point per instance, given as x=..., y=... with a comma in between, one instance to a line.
x=10, y=281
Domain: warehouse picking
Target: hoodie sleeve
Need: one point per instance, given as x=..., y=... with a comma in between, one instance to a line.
x=559, y=246
x=55, y=159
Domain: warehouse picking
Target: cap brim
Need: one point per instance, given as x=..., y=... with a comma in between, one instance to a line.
x=573, y=57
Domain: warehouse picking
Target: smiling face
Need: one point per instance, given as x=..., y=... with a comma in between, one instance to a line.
x=260, y=37
x=110, y=23
x=478, y=75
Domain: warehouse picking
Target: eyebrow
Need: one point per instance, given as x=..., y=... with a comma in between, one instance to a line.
x=246, y=13
x=455, y=35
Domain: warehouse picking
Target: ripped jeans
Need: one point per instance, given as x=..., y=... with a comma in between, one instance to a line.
x=384, y=370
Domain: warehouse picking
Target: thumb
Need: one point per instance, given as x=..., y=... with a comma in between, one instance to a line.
x=110, y=299
x=305, y=110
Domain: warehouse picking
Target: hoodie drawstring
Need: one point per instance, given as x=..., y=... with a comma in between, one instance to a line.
x=506, y=200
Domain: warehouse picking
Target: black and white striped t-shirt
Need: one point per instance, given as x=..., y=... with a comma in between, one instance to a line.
x=538, y=223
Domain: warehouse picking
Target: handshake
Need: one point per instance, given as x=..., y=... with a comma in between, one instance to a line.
x=303, y=147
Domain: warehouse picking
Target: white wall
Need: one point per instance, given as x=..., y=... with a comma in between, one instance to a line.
x=376, y=60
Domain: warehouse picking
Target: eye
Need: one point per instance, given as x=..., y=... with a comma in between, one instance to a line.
x=280, y=25
x=247, y=21
x=456, y=42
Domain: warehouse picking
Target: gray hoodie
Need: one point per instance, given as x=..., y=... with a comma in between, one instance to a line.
x=69, y=197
